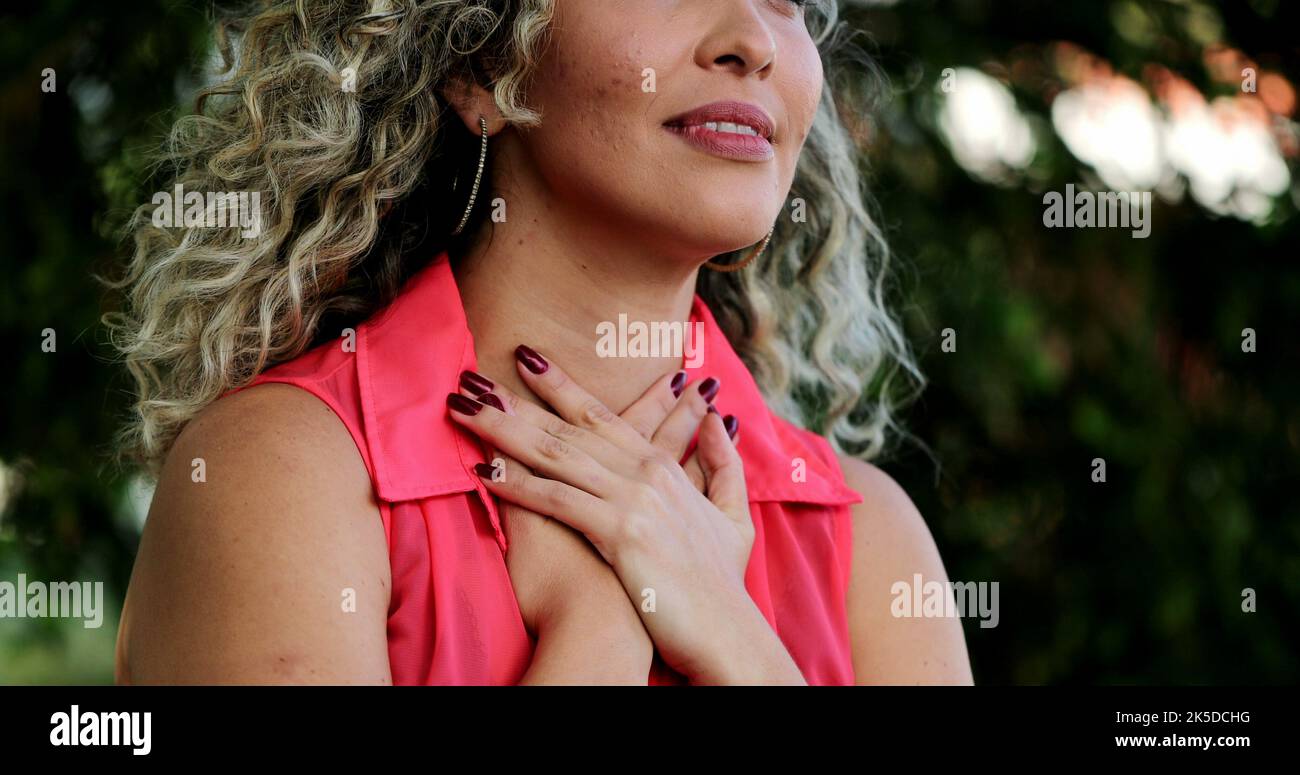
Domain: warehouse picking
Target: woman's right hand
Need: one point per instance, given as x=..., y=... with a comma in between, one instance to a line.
x=587, y=629
x=665, y=538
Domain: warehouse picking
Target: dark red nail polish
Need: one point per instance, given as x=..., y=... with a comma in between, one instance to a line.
x=709, y=388
x=485, y=470
x=531, y=359
x=491, y=400
x=475, y=383
x=679, y=384
x=732, y=424
x=464, y=405
x=712, y=408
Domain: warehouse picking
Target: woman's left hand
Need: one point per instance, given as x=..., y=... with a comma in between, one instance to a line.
x=680, y=554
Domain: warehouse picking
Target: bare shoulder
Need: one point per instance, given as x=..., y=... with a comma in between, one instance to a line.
x=892, y=544
x=885, y=505
x=263, y=558
x=272, y=448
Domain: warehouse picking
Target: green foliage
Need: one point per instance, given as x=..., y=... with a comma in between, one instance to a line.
x=1075, y=345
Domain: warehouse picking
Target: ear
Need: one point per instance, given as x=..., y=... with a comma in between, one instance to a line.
x=470, y=101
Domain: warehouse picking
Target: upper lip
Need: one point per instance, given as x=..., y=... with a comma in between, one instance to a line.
x=729, y=111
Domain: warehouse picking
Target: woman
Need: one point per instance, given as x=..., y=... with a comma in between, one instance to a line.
x=446, y=474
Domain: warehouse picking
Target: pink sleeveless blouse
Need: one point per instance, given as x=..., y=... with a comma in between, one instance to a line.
x=453, y=618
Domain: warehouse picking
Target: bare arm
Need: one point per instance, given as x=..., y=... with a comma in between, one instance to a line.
x=582, y=646
x=891, y=543
x=247, y=577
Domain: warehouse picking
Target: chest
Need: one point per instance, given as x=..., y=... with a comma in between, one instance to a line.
x=453, y=618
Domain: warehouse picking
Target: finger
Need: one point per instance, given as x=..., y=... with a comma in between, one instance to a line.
x=694, y=471
x=499, y=468
x=516, y=521
x=502, y=468
x=476, y=386
x=498, y=460
x=578, y=407
x=647, y=413
x=724, y=472
x=580, y=510
x=473, y=385
x=554, y=457
x=678, y=429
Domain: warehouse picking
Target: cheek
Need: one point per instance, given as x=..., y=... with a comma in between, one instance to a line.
x=592, y=105
x=582, y=85
x=802, y=91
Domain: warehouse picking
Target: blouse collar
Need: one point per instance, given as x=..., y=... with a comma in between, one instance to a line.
x=410, y=356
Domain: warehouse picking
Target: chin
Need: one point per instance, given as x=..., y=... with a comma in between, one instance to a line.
x=730, y=216
x=735, y=229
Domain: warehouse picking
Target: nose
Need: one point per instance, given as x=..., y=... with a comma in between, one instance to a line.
x=737, y=39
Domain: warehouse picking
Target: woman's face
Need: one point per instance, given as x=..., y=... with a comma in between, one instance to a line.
x=676, y=122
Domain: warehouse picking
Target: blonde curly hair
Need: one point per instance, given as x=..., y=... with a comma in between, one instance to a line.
x=349, y=177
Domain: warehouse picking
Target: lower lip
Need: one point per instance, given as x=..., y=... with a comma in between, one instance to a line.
x=725, y=144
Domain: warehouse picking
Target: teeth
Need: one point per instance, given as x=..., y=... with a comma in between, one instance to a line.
x=728, y=127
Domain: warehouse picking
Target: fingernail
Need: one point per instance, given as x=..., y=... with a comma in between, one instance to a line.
x=712, y=408
x=484, y=470
x=732, y=424
x=531, y=359
x=679, y=384
x=464, y=405
x=475, y=383
x=709, y=388
x=491, y=400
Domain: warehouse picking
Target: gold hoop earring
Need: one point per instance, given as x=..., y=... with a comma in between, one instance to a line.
x=736, y=267
x=478, y=177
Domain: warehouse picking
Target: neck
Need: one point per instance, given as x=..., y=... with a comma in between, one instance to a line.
x=523, y=284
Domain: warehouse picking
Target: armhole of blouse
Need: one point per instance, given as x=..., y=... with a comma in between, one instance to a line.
x=312, y=387
x=844, y=543
x=843, y=515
